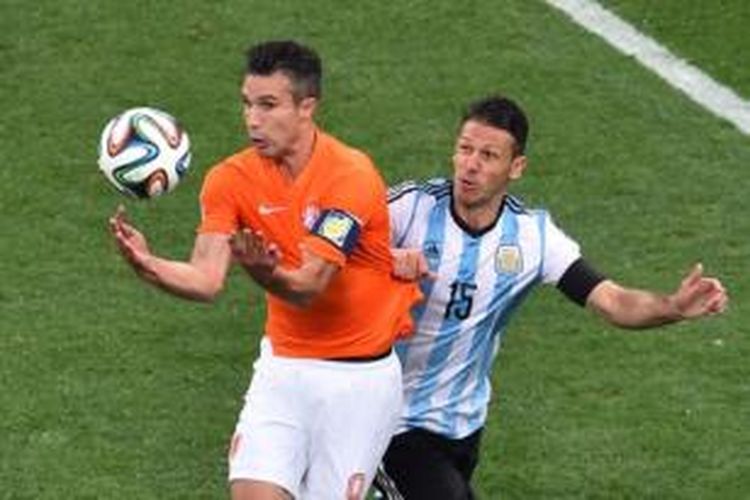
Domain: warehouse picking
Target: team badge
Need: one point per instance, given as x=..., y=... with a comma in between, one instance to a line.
x=339, y=228
x=508, y=259
x=310, y=216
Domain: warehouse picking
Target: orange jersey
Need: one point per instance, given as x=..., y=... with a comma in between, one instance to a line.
x=337, y=209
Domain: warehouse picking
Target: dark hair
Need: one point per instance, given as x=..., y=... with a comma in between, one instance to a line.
x=500, y=112
x=299, y=63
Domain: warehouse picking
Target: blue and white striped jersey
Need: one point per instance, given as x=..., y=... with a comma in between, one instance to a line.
x=481, y=280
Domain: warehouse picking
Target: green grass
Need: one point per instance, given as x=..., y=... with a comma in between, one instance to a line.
x=112, y=390
x=711, y=35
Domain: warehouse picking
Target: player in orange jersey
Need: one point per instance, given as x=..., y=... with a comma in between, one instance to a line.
x=306, y=216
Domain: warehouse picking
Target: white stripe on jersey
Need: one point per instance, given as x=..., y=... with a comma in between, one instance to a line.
x=481, y=280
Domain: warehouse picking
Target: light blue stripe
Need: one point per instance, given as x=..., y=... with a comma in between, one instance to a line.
x=435, y=235
x=480, y=354
x=541, y=221
x=482, y=393
x=447, y=335
x=505, y=309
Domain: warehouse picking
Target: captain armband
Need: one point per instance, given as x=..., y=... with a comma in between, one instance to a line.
x=339, y=228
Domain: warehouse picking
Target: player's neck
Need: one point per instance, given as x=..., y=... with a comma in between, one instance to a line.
x=481, y=216
x=299, y=154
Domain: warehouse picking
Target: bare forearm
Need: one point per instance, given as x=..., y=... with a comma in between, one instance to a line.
x=262, y=261
x=273, y=281
x=697, y=296
x=297, y=286
x=641, y=309
x=632, y=308
x=199, y=279
x=181, y=279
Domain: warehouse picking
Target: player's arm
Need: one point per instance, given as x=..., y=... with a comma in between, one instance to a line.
x=324, y=250
x=200, y=279
x=298, y=286
x=302, y=284
x=696, y=296
x=410, y=264
x=625, y=307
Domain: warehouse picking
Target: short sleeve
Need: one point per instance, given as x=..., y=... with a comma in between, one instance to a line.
x=348, y=206
x=560, y=251
x=359, y=192
x=218, y=208
x=402, y=202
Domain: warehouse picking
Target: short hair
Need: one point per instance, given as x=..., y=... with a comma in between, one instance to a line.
x=299, y=63
x=500, y=112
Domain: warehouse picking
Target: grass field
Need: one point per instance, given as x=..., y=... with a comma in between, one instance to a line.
x=111, y=390
x=710, y=35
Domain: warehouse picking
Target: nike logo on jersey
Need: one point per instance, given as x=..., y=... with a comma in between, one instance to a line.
x=270, y=209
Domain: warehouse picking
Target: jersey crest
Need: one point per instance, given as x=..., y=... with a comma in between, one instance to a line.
x=508, y=259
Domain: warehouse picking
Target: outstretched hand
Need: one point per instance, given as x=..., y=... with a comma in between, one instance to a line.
x=699, y=295
x=131, y=243
x=252, y=252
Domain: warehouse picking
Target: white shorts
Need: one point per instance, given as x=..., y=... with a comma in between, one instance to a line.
x=316, y=428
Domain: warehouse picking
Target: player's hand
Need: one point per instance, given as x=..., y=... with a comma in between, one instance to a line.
x=131, y=243
x=699, y=295
x=252, y=252
x=410, y=264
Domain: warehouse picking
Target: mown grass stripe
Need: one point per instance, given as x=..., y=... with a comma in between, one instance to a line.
x=719, y=99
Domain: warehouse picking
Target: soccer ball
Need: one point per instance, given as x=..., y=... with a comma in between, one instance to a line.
x=144, y=152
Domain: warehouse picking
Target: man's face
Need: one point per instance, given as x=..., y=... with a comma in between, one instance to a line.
x=273, y=119
x=484, y=164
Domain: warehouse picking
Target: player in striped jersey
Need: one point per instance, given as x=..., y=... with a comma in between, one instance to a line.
x=485, y=251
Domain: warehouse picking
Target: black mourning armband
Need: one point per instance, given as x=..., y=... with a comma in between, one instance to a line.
x=578, y=281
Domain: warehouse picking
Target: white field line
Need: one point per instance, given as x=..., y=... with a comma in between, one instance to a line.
x=712, y=95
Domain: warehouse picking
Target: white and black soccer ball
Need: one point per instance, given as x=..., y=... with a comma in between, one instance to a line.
x=144, y=152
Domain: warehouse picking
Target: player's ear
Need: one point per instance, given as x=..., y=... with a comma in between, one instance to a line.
x=517, y=167
x=307, y=106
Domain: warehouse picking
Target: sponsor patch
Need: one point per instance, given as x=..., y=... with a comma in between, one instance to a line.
x=339, y=228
